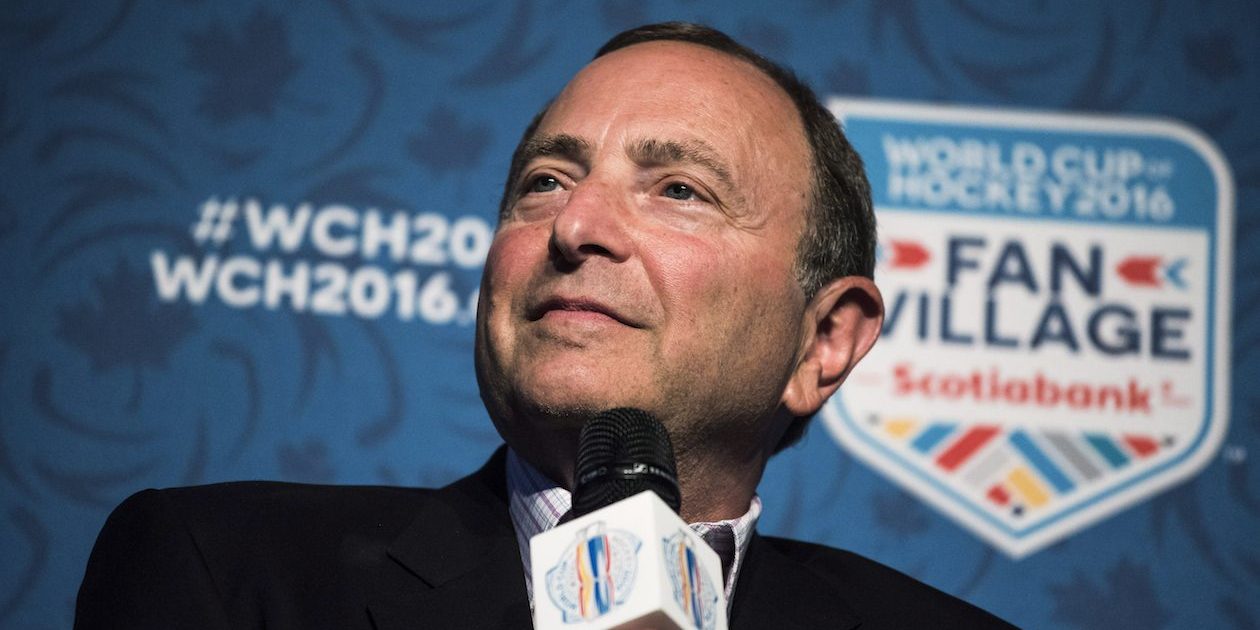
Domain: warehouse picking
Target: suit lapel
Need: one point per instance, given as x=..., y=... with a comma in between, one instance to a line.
x=457, y=564
x=775, y=591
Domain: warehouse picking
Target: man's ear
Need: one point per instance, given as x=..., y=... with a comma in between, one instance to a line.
x=841, y=324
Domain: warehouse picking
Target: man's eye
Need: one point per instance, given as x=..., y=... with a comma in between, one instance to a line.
x=543, y=184
x=681, y=192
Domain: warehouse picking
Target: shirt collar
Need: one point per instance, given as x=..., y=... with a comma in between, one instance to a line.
x=536, y=504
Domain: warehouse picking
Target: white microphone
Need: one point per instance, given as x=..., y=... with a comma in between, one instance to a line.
x=626, y=560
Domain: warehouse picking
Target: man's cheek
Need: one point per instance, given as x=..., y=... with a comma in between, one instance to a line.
x=498, y=254
x=686, y=269
x=517, y=247
x=506, y=267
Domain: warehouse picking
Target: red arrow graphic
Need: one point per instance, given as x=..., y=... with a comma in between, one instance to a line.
x=907, y=254
x=1140, y=270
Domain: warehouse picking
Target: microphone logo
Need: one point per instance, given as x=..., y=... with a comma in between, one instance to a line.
x=595, y=574
x=692, y=589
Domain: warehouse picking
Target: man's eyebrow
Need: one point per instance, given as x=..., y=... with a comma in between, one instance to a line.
x=652, y=152
x=561, y=145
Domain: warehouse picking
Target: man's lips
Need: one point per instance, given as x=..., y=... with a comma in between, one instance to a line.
x=578, y=307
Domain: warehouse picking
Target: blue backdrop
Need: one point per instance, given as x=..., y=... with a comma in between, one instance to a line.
x=136, y=135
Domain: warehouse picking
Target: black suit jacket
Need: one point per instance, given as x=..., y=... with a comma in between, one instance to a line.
x=275, y=555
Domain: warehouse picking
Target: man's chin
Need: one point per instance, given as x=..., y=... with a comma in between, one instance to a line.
x=571, y=404
x=577, y=401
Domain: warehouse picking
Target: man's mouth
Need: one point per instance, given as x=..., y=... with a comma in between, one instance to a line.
x=578, y=308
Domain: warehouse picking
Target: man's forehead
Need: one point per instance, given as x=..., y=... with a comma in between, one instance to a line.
x=712, y=99
x=672, y=56
x=680, y=67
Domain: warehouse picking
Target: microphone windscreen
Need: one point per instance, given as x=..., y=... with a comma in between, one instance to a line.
x=622, y=452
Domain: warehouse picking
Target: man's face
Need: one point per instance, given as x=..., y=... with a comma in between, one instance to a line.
x=646, y=257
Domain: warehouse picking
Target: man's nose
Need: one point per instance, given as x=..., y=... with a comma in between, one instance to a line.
x=592, y=223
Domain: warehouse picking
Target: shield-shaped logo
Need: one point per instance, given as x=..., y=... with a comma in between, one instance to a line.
x=694, y=591
x=595, y=574
x=1057, y=292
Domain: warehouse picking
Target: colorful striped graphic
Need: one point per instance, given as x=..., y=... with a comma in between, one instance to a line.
x=900, y=427
x=1043, y=464
x=1020, y=470
x=689, y=569
x=1072, y=453
x=1027, y=487
x=693, y=591
x=594, y=574
x=1108, y=449
x=965, y=447
x=595, y=592
x=930, y=437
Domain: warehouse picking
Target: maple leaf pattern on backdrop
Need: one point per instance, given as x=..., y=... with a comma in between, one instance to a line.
x=248, y=71
x=448, y=143
x=126, y=326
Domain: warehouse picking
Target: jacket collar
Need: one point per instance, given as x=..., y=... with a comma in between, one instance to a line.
x=775, y=591
x=457, y=563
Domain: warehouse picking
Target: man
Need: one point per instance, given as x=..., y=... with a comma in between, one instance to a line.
x=684, y=230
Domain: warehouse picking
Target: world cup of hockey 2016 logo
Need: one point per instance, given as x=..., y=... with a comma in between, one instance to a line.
x=595, y=574
x=693, y=590
x=1055, y=346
